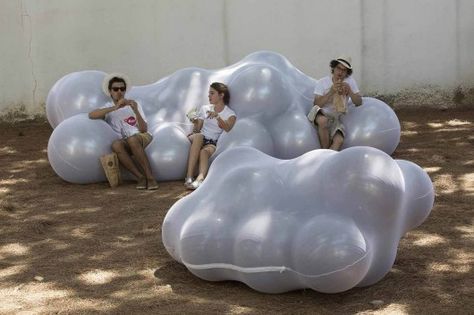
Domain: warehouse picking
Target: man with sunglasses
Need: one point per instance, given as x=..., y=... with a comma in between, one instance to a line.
x=127, y=119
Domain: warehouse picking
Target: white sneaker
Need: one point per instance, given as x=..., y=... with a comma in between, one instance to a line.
x=188, y=181
x=196, y=184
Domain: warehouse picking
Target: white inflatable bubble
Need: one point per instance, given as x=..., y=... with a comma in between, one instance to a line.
x=419, y=193
x=75, y=148
x=77, y=92
x=169, y=99
x=246, y=132
x=326, y=220
x=301, y=83
x=373, y=124
x=269, y=95
x=292, y=135
x=168, y=152
x=259, y=91
x=330, y=253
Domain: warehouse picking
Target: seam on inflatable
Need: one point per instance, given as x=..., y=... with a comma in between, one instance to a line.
x=279, y=269
x=65, y=161
x=423, y=196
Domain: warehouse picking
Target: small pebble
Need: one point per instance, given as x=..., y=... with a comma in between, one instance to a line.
x=38, y=278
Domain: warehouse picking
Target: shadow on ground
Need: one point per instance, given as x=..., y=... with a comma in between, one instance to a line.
x=88, y=248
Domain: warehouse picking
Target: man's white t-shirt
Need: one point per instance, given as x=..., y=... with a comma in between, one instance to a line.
x=324, y=85
x=210, y=129
x=123, y=120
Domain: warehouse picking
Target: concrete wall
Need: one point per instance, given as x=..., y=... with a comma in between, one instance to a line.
x=408, y=51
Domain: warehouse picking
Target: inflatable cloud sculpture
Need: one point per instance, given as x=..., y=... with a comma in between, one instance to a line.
x=269, y=95
x=326, y=220
x=76, y=145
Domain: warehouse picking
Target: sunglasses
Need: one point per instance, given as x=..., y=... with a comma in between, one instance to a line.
x=115, y=89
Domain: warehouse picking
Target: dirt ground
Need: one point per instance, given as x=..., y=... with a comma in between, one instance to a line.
x=79, y=249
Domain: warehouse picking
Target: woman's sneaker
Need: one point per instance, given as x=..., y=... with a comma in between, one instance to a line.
x=188, y=182
x=196, y=184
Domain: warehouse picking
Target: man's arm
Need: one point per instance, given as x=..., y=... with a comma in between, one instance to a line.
x=142, y=125
x=355, y=97
x=101, y=112
x=322, y=100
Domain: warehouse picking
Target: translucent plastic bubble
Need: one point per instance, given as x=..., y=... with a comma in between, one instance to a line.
x=325, y=220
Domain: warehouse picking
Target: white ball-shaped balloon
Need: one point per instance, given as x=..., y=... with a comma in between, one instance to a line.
x=263, y=243
x=300, y=82
x=260, y=91
x=373, y=124
x=75, y=148
x=169, y=99
x=419, y=193
x=246, y=132
x=330, y=253
x=293, y=135
x=77, y=92
x=168, y=152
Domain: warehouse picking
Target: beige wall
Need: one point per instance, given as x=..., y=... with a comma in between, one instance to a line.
x=410, y=47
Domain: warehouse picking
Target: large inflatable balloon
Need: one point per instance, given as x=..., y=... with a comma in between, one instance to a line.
x=269, y=95
x=373, y=124
x=75, y=148
x=77, y=92
x=326, y=220
x=76, y=145
x=168, y=152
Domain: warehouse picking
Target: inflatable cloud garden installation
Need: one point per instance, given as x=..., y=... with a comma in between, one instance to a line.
x=326, y=220
x=273, y=212
x=269, y=95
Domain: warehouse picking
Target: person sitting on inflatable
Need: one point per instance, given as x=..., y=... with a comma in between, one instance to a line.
x=127, y=119
x=330, y=102
x=209, y=122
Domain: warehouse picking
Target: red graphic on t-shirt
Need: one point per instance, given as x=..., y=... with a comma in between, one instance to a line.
x=130, y=120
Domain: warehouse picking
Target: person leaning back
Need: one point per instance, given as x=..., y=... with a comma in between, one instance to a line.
x=127, y=119
x=331, y=95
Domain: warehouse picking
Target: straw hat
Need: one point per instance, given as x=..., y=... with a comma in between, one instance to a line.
x=346, y=61
x=105, y=83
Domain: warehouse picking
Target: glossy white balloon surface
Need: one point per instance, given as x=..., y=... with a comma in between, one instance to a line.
x=325, y=220
x=75, y=148
x=75, y=93
x=269, y=95
x=273, y=212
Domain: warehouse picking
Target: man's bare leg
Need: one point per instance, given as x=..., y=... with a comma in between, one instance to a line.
x=337, y=141
x=125, y=159
x=323, y=131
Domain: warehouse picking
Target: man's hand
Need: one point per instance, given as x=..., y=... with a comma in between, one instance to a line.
x=124, y=102
x=339, y=86
x=346, y=89
x=133, y=105
x=121, y=103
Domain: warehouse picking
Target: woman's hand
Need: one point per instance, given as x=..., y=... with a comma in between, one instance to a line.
x=212, y=114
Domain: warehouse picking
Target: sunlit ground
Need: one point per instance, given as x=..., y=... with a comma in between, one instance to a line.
x=89, y=249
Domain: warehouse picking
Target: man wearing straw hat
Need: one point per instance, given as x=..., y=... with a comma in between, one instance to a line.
x=127, y=119
x=331, y=95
